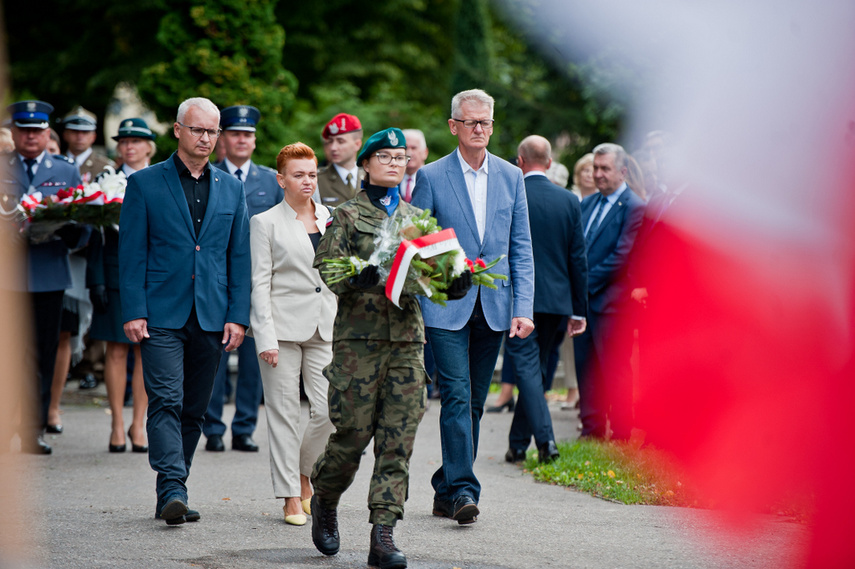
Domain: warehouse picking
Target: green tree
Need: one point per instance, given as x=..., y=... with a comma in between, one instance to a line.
x=473, y=50
x=229, y=51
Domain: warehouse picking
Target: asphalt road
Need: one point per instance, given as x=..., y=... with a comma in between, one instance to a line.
x=86, y=508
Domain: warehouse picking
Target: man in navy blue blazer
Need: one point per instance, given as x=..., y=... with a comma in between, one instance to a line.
x=262, y=192
x=610, y=219
x=481, y=197
x=30, y=169
x=184, y=272
x=560, y=291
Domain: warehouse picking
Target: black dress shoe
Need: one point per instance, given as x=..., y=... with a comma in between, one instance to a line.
x=383, y=552
x=174, y=511
x=244, y=443
x=192, y=516
x=547, y=452
x=35, y=445
x=510, y=404
x=465, y=510
x=117, y=448
x=54, y=429
x=442, y=508
x=324, y=528
x=88, y=381
x=215, y=443
x=515, y=455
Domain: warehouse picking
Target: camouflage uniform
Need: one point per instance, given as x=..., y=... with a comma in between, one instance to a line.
x=377, y=377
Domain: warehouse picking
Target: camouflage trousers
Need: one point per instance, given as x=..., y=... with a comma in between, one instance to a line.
x=377, y=389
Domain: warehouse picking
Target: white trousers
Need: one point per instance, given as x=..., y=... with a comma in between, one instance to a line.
x=291, y=454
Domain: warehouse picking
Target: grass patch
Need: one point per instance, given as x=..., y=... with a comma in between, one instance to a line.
x=620, y=472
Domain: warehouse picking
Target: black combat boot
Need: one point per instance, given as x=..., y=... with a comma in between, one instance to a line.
x=324, y=528
x=383, y=553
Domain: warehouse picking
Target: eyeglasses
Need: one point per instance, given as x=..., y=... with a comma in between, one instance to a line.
x=384, y=159
x=198, y=131
x=469, y=123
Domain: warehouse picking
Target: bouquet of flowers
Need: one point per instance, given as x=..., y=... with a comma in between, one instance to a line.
x=98, y=203
x=415, y=256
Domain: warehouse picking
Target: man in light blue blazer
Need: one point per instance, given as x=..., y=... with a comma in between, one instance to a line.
x=610, y=219
x=184, y=272
x=262, y=192
x=481, y=197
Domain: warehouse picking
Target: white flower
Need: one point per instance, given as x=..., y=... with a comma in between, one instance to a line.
x=459, y=263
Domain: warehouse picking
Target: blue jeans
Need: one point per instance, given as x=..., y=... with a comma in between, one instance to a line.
x=178, y=369
x=247, y=394
x=465, y=360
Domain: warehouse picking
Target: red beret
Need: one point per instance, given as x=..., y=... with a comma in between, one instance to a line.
x=341, y=124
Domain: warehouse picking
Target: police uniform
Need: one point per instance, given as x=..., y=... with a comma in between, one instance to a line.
x=262, y=193
x=377, y=378
x=94, y=162
x=48, y=268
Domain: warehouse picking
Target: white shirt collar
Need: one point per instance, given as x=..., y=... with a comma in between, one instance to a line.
x=612, y=197
x=467, y=168
x=80, y=158
x=534, y=173
x=244, y=169
x=39, y=158
x=343, y=172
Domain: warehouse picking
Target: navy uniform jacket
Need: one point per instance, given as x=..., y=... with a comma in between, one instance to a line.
x=560, y=264
x=165, y=269
x=48, y=268
x=260, y=186
x=609, y=249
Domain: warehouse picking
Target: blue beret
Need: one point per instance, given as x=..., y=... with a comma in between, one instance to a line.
x=389, y=138
x=31, y=114
x=239, y=117
x=134, y=128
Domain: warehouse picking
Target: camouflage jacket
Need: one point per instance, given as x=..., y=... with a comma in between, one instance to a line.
x=366, y=313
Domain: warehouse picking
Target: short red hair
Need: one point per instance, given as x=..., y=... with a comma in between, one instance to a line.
x=296, y=151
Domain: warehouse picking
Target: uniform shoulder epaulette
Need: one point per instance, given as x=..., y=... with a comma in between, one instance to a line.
x=63, y=157
x=266, y=169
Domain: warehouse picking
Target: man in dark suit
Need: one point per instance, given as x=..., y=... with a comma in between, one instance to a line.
x=184, y=271
x=28, y=170
x=481, y=197
x=262, y=193
x=610, y=219
x=560, y=290
x=341, y=179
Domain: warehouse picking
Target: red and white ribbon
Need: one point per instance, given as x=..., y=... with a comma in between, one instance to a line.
x=426, y=247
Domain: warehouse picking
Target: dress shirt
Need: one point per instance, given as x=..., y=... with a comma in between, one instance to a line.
x=244, y=168
x=195, y=190
x=476, y=186
x=80, y=158
x=610, y=200
x=343, y=172
x=39, y=159
x=407, y=186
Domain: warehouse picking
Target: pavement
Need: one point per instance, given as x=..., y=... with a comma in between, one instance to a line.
x=84, y=507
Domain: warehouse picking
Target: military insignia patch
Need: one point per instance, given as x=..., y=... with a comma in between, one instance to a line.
x=31, y=106
x=393, y=138
x=243, y=111
x=386, y=200
x=129, y=124
x=329, y=221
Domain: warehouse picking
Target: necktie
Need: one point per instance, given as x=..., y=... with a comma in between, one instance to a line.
x=596, y=219
x=30, y=163
x=350, y=181
x=409, y=194
x=238, y=173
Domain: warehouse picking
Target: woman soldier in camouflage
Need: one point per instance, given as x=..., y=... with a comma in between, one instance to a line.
x=377, y=377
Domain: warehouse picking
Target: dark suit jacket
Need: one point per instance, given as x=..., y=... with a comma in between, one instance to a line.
x=560, y=264
x=260, y=186
x=48, y=268
x=165, y=269
x=609, y=248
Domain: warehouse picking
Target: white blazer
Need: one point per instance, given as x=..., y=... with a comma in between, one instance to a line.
x=289, y=299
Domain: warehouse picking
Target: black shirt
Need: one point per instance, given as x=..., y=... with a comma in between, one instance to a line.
x=196, y=191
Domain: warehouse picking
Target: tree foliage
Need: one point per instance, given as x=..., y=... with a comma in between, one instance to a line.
x=229, y=51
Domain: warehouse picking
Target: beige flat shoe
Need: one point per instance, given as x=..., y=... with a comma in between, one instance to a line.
x=307, y=506
x=295, y=520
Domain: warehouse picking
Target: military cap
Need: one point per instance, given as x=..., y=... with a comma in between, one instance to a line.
x=389, y=138
x=134, y=128
x=31, y=114
x=80, y=119
x=340, y=124
x=239, y=117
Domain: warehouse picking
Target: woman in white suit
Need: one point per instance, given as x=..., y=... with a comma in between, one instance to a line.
x=291, y=318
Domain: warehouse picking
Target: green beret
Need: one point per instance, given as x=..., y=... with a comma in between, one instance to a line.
x=389, y=138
